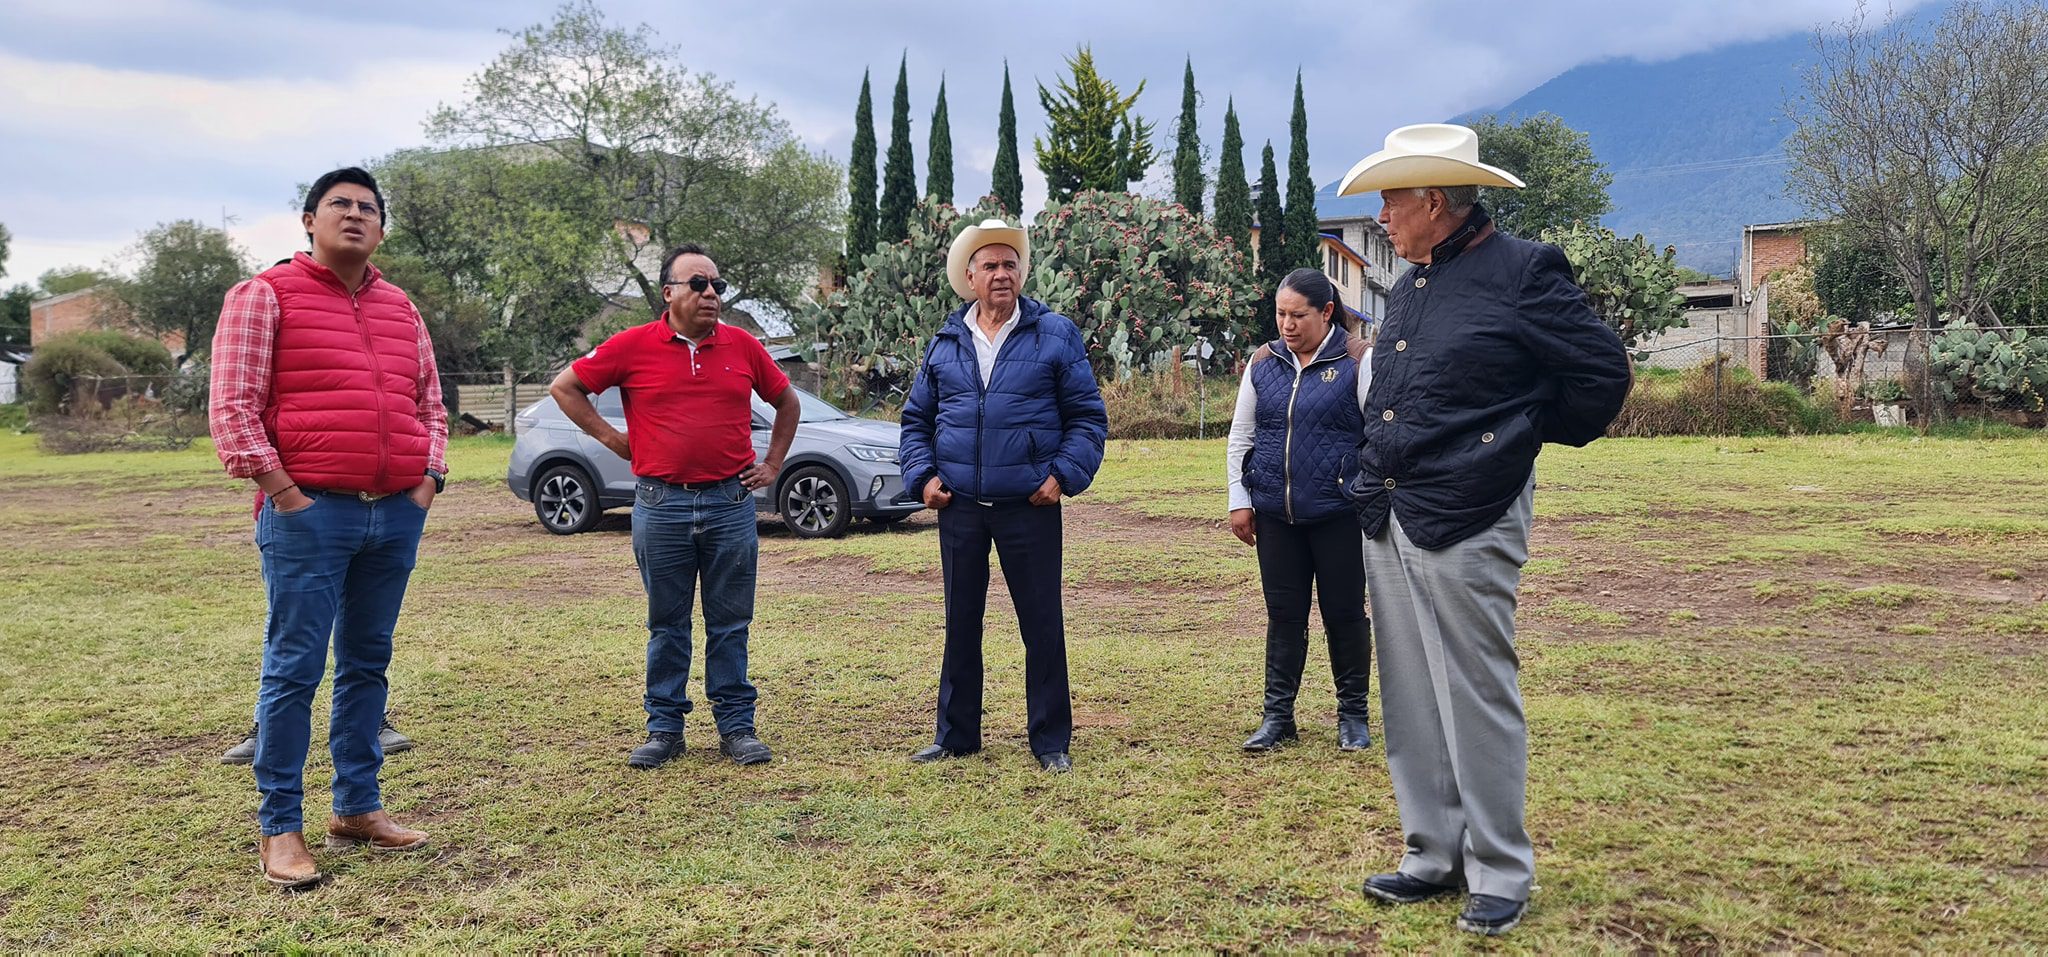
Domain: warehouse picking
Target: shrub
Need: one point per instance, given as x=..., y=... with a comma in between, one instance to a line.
x=61, y=366
x=1692, y=404
x=1169, y=406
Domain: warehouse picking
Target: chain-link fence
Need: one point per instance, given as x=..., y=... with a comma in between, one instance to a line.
x=1690, y=381
x=1890, y=376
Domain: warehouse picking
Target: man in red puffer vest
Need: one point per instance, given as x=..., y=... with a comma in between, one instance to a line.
x=325, y=393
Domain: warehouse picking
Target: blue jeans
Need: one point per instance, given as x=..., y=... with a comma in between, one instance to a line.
x=680, y=536
x=337, y=567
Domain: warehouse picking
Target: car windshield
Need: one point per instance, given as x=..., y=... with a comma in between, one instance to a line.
x=813, y=408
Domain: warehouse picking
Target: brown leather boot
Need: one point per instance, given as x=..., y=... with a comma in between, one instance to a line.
x=375, y=829
x=286, y=862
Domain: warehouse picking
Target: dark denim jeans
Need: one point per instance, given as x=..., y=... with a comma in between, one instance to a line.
x=679, y=537
x=338, y=567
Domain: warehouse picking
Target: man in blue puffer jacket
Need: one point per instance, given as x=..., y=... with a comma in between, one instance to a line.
x=1003, y=419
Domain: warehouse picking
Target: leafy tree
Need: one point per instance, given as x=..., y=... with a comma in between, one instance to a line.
x=1233, y=217
x=1092, y=138
x=666, y=156
x=1303, y=237
x=1930, y=148
x=186, y=269
x=1851, y=278
x=494, y=250
x=6, y=238
x=1272, y=246
x=899, y=173
x=862, y=226
x=1632, y=287
x=1566, y=183
x=1187, y=153
x=938, y=176
x=14, y=320
x=1008, y=183
x=70, y=279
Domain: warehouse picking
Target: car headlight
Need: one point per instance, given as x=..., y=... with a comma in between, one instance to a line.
x=872, y=453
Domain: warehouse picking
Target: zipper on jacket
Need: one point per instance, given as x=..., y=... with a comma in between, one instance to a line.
x=376, y=373
x=1287, y=444
x=1287, y=447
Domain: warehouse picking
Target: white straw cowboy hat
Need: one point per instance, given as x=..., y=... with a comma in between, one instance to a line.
x=991, y=232
x=1426, y=154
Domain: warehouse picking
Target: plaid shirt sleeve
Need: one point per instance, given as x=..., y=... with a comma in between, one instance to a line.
x=433, y=413
x=240, y=386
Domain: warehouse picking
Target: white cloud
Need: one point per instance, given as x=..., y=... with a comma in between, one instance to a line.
x=377, y=107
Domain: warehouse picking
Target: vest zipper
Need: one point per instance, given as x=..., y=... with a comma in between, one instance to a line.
x=1287, y=447
x=376, y=373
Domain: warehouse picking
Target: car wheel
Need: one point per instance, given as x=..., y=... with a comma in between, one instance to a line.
x=565, y=500
x=814, y=503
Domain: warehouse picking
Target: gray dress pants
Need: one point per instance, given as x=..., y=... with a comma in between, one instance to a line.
x=1457, y=748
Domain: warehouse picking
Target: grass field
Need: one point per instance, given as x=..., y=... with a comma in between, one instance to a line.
x=1784, y=694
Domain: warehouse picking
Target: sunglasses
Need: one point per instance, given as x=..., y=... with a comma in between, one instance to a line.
x=698, y=284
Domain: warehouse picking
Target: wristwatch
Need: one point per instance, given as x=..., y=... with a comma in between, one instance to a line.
x=440, y=481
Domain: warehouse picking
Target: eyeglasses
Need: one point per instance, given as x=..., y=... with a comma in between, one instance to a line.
x=343, y=206
x=698, y=284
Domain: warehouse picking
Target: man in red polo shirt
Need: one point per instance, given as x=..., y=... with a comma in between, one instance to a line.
x=686, y=379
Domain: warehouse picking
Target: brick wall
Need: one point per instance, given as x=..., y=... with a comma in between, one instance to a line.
x=1772, y=251
x=74, y=311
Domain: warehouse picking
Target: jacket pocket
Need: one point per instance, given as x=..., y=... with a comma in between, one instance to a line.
x=1248, y=474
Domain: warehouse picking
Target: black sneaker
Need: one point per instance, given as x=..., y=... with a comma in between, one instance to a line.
x=392, y=741
x=1490, y=915
x=661, y=746
x=244, y=753
x=743, y=748
x=1399, y=888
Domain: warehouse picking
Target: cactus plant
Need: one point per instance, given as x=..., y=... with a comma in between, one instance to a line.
x=2002, y=366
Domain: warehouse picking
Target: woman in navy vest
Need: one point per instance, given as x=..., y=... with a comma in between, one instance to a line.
x=1293, y=443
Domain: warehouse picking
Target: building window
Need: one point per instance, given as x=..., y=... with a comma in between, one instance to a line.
x=1331, y=260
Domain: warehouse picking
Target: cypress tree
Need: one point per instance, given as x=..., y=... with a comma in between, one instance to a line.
x=1273, y=264
x=899, y=177
x=938, y=157
x=1187, y=153
x=1008, y=183
x=1304, y=243
x=860, y=181
x=1233, y=217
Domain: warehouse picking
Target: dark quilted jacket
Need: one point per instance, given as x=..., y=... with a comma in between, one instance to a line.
x=1040, y=415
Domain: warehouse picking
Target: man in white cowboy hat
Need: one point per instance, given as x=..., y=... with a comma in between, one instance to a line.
x=1489, y=350
x=1002, y=420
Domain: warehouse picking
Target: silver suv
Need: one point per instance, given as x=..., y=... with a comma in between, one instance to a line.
x=839, y=468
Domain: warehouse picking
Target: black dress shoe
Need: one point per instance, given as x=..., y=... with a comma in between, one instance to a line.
x=743, y=748
x=1353, y=734
x=1490, y=915
x=661, y=746
x=1057, y=762
x=1273, y=732
x=1399, y=888
x=936, y=752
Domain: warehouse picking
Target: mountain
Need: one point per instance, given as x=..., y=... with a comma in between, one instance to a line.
x=1695, y=144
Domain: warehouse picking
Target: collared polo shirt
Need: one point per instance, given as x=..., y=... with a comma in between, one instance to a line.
x=688, y=415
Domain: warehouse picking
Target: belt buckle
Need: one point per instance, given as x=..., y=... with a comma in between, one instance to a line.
x=367, y=497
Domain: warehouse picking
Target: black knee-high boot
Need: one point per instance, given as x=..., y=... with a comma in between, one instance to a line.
x=1286, y=653
x=1351, y=666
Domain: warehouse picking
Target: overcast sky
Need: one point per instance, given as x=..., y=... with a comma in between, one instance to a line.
x=118, y=116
